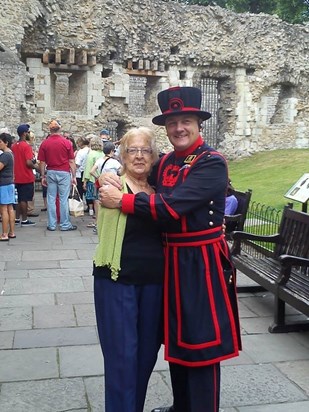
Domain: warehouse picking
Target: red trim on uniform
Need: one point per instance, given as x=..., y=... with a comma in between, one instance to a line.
x=152, y=205
x=211, y=294
x=199, y=238
x=187, y=169
x=193, y=364
x=163, y=159
x=233, y=325
x=177, y=296
x=183, y=110
x=197, y=233
x=166, y=302
x=209, y=288
x=190, y=149
x=127, y=205
x=196, y=243
x=226, y=297
x=184, y=226
x=171, y=211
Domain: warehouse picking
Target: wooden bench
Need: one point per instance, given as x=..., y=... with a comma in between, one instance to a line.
x=282, y=270
x=237, y=221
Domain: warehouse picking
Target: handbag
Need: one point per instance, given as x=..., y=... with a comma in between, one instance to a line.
x=76, y=204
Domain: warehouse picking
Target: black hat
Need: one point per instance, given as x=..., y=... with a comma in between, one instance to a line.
x=180, y=100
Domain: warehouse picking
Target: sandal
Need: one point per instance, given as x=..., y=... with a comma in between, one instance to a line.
x=91, y=225
x=12, y=235
x=4, y=238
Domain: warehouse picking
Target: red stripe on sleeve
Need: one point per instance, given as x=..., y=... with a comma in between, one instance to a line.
x=170, y=210
x=128, y=203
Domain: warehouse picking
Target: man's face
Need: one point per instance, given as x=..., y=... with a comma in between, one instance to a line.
x=182, y=130
x=27, y=134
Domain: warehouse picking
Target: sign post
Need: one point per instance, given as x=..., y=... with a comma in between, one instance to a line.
x=300, y=192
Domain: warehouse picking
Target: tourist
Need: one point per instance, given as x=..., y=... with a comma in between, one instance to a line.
x=231, y=202
x=80, y=161
x=24, y=178
x=7, y=188
x=30, y=205
x=96, y=147
x=105, y=135
x=107, y=163
x=128, y=274
x=56, y=158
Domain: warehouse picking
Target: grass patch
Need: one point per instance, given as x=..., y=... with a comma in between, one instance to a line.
x=270, y=175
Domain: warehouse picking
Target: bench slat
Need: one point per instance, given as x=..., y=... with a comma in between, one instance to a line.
x=267, y=271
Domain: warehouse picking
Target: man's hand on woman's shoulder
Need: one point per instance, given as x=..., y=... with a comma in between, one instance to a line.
x=109, y=178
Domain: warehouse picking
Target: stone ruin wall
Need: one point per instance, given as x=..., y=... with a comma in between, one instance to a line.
x=101, y=63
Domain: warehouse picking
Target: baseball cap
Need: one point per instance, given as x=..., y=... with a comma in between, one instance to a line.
x=23, y=128
x=104, y=131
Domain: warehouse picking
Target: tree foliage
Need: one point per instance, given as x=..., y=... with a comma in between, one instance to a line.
x=292, y=11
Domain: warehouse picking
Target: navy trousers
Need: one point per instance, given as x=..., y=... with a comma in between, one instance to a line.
x=195, y=389
x=129, y=320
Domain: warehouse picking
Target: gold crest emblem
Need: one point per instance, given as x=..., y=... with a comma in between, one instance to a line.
x=189, y=159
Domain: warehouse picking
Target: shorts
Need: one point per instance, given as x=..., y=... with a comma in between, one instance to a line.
x=25, y=191
x=91, y=191
x=7, y=194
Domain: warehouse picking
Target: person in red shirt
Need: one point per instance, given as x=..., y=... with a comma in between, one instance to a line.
x=56, y=156
x=24, y=163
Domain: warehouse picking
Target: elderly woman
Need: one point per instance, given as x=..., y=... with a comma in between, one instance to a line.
x=128, y=275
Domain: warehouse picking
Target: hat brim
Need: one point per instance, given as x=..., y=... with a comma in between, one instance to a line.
x=160, y=120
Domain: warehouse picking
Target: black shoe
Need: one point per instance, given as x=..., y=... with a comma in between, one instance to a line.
x=164, y=409
x=33, y=215
x=27, y=223
x=44, y=209
x=73, y=227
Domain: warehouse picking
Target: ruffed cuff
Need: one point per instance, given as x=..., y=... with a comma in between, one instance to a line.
x=128, y=203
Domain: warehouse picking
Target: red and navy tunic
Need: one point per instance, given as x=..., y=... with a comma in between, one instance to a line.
x=201, y=325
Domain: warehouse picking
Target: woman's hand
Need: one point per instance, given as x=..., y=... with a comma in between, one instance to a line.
x=110, y=196
x=109, y=178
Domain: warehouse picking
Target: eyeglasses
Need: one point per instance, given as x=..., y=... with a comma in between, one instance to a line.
x=145, y=151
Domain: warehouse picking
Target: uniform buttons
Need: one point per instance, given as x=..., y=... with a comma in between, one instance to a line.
x=211, y=223
x=211, y=202
x=211, y=212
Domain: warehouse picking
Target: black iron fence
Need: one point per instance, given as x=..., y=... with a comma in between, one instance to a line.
x=261, y=220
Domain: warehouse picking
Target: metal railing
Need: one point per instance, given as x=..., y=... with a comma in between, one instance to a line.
x=261, y=220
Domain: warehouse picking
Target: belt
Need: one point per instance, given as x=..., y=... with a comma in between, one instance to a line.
x=199, y=238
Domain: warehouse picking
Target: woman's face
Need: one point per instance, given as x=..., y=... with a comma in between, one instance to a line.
x=138, y=162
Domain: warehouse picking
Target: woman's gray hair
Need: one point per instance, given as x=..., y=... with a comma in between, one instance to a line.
x=149, y=138
x=96, y=143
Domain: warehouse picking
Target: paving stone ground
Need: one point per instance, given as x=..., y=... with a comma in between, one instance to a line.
x=50, y=358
